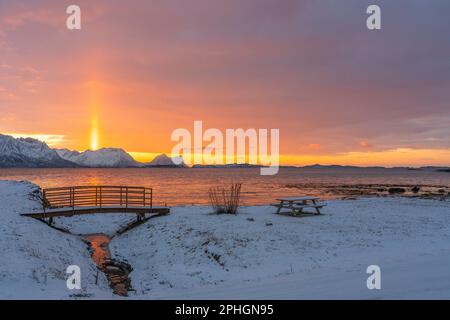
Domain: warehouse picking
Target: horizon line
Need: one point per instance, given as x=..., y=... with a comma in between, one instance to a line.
x=145, y=157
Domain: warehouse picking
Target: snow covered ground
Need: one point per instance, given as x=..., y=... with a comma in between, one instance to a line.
x=193, y=254
x=34, y=257
x=107, y=224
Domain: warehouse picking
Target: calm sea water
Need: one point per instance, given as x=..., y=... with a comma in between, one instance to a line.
x=177, y=186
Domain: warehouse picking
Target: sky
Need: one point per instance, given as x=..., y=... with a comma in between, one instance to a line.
x=139, y=69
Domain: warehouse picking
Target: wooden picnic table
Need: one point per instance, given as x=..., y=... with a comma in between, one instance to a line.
x=297, y=204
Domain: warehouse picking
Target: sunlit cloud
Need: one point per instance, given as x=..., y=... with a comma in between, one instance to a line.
x=143, y=156
x=315, y=146
x=20, y=18
x=389, y=158
x=364, y=144
x=145, y=70
x=52, y=140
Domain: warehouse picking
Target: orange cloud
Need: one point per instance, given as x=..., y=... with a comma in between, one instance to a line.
x=38, y=15
x=365, y=144
x=141, y=71
x=388, y=158
x=53, y=140
x=315, y=146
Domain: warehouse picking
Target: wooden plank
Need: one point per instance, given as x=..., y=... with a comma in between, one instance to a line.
x=306, y=198
x=299, y=205
x=82, y=211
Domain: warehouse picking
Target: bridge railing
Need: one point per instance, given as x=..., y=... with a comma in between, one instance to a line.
x=97, y=196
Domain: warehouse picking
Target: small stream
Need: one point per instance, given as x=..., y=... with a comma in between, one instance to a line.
x=115, y=271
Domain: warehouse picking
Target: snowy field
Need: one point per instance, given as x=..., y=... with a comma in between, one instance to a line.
x=34, y=257
x=193, y=254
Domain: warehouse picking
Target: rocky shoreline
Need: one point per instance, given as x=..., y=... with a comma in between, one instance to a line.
x=377, y=190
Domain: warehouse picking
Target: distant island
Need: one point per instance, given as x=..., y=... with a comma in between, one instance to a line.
x=222, y=166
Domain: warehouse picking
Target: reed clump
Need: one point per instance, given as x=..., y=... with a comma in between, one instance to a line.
x=225, y=200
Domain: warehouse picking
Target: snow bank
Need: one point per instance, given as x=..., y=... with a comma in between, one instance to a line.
x=34, y=257
x=107, y=224
x=193, y=254
x=259, y=255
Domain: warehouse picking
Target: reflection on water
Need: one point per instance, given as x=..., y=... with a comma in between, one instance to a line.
x=116, y=274
x=99, y=245
x=176, y=186
x=94, y=180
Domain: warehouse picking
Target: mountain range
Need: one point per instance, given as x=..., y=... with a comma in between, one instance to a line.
x=29, y=153
x=105, y=158
x=32, y=153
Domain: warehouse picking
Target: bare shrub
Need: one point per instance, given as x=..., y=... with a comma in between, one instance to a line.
x=225, y=200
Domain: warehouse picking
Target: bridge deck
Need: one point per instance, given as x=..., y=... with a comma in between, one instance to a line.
x=68, y=212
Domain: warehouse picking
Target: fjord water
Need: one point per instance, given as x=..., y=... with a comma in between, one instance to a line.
x=185, y=186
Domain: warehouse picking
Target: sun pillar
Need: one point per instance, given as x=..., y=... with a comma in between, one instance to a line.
x=94, y=133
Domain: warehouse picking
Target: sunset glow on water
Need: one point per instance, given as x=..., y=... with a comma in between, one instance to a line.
x=187, y=186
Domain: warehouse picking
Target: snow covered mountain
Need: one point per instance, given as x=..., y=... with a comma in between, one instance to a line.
x=165, y=161
x=32, y=153
x=102, y=158
x=28, y=153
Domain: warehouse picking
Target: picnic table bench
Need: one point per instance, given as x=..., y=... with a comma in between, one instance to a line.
x=296, y=205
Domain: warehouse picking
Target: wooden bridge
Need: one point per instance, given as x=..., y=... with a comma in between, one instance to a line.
x=70, y=201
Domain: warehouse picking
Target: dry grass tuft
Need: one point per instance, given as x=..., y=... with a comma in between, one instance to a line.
x=225, y=200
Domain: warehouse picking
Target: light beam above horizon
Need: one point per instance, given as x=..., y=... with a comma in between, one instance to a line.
x=136, y=71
